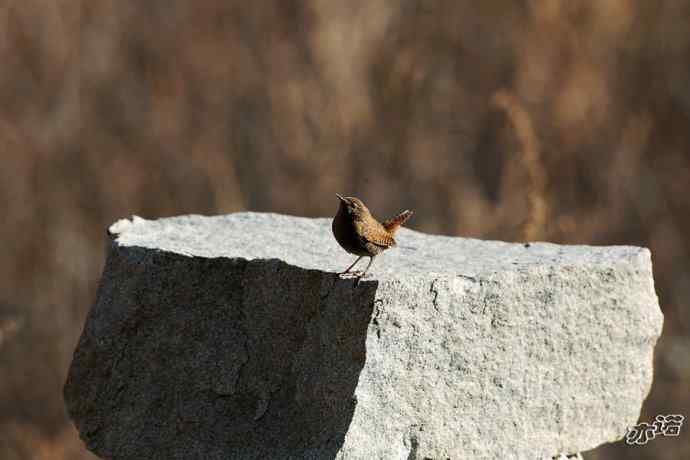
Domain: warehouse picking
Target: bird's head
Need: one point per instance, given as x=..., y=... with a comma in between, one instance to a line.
x=353, y=206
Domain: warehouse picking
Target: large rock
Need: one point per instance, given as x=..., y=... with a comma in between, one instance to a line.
x=232, y=337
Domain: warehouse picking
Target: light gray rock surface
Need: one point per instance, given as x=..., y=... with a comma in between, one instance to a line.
x=232, y=337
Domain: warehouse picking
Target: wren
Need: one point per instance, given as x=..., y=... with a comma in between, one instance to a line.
x=359, y=233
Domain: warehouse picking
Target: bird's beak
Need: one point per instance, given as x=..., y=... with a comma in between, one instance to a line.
x=341, y=197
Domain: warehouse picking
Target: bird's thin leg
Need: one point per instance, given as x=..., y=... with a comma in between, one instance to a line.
x=350, y=267
x=371, y=261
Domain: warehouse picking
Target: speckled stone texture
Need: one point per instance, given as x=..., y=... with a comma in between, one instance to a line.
x=232, y=337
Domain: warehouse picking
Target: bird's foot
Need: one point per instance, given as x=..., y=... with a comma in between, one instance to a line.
x=358, y=279
x=351, y=274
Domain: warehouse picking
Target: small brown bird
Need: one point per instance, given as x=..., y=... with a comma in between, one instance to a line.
x=359, y=233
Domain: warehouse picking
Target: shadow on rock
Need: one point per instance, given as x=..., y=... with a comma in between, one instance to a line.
x=218, y=358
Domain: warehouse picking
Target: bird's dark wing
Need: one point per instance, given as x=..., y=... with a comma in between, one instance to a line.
x=378, y=236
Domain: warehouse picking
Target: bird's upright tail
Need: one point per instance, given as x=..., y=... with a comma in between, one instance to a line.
x=393, y=224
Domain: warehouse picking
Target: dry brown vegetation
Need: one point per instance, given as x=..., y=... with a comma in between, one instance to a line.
x=561, y=120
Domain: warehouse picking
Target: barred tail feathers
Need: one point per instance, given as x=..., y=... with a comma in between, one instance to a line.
x=391, y=225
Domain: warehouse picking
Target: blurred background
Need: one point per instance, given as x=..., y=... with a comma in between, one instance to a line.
x=559, y=120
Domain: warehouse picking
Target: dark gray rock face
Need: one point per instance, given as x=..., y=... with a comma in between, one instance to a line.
x=232, y=337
